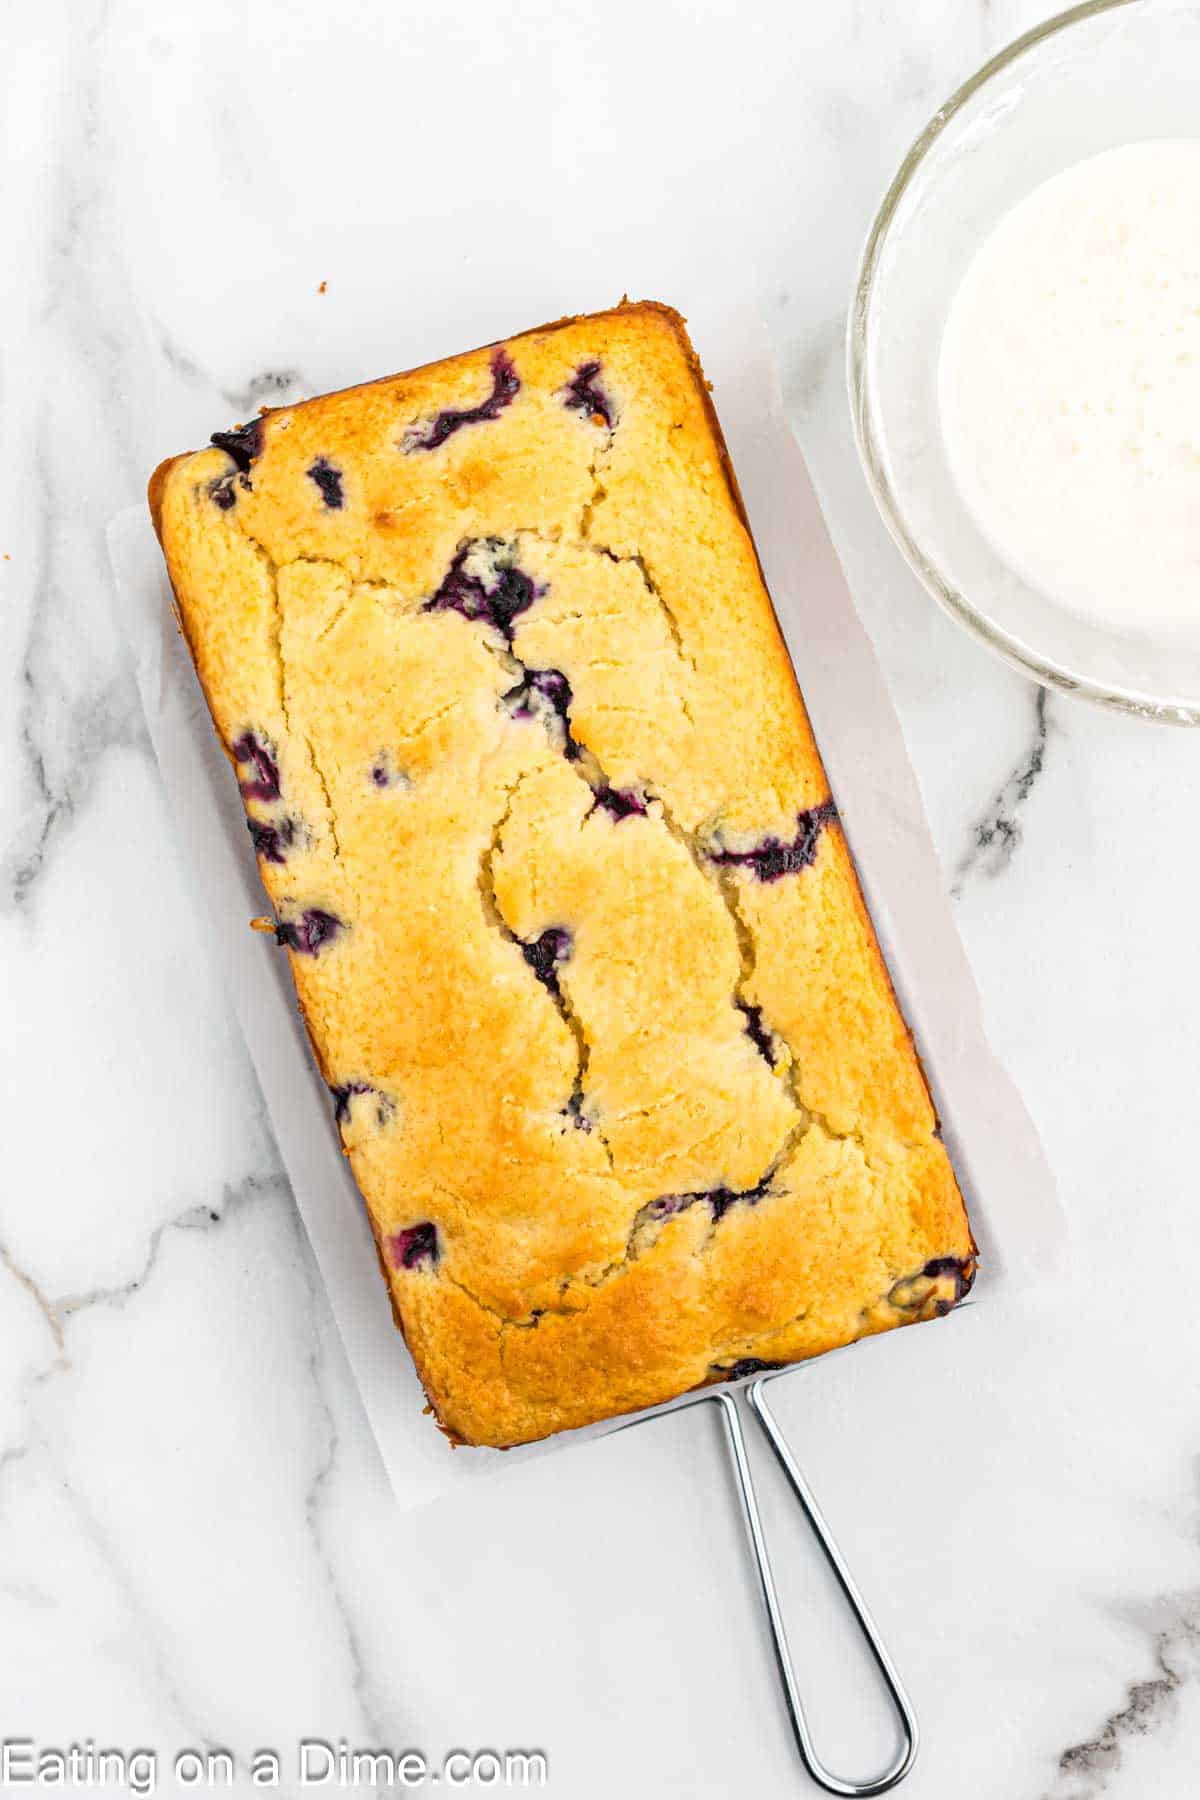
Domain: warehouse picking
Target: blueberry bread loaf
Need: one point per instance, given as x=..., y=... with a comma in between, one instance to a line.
x=573, y=924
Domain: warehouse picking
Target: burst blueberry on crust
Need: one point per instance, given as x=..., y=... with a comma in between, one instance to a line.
x=746, y=1365
x=310, y=931
x=773, y=857
x=258, y=767
x=585, y=394
x=572, y=921
x=327, y=478
x=620, y=803
x=272, y=839
x=243, y=444
x=505, y=388
x=414, y=1246
x=484, y=584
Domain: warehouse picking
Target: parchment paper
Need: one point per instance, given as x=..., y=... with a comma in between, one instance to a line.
x=1009, y=1187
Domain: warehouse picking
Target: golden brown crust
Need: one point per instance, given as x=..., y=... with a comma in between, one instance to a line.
x=575, y=931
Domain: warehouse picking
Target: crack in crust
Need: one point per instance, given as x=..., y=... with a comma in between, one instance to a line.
x=543, y=969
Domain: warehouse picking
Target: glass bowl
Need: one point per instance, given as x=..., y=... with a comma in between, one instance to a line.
x=1105, y=73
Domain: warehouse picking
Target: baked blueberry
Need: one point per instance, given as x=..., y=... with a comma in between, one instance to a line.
x=243, y=443
x=622, y=803
x=343, y=1095
x=550, y=685
x=222, y=492
x=348, y=1091
x=329, y=480
x=583, y=394
x=545, y=693
x=757, y=1032
x=482, y=583
x=909, y=1294
x=272, y=841
x=962, y=1269
x=545, y=953
x=773, y=858
x=746, y=1365
x=310, y=932
x=505, y=388
x=722, y=1198
x=415, y=1245
x=383, y=772
x=252, y=753
x=574, y=1110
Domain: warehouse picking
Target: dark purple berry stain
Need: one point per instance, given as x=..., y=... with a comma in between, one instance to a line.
x=505, y=388
x=722, y=1198
x=242, y=444
x=584, y=395
x=757, y=1032
x=222, y=492
x=496, y=602
x=251, y=752
x=746, y=1365
x=544, y=689
x=329, y=480
x=719, y=1199
x=415, y=1245
x=343, y=1095
x=621, y=803
x=346, y=1093
x=962, y=1269
x=574, y=1111
x=773, y=858
x=310, y=932
x=272, y=842
x=384, y=773
x=544, y=955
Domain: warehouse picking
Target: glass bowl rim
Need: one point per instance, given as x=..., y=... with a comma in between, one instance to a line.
x=1008, y=647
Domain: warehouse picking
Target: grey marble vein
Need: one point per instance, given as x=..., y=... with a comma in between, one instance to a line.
x=1089, y=1769
x=273, y=387
x=76, y=704
x=278, y=386
x=196, y=1730
x=997, y=832
x=181, y=363
x=24, y=1279
x=62, y=748
x=234, y=1197
x=57, y=1313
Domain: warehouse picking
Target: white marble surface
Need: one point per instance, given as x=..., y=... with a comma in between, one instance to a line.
x=196, y=1541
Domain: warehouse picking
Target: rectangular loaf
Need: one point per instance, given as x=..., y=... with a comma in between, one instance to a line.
x=572, y=920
